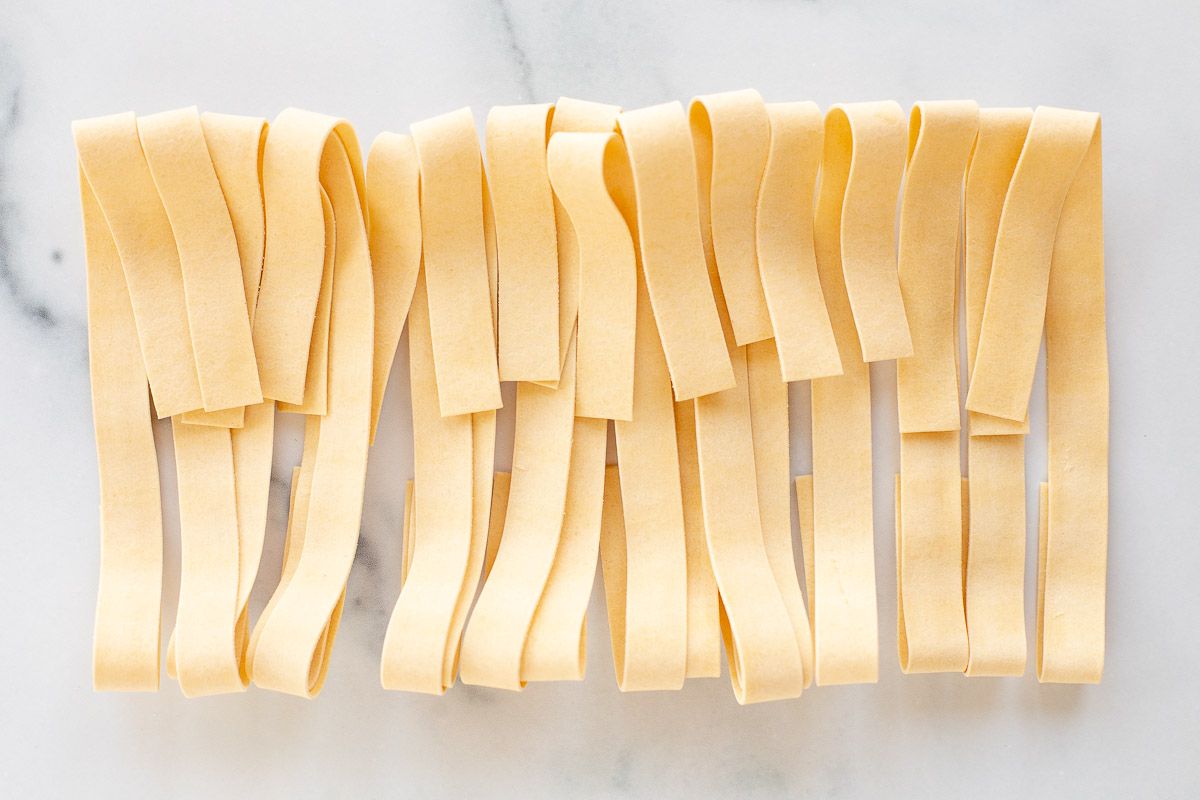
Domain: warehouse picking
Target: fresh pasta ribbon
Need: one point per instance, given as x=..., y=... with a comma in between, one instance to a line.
x=125, y=650
x=573, y=116
x=995, y=555
x=731, y=134
x=842, y=595
x=494, y=642
x=932, y=629
x=456, y=264
x=393, y=199
x=295, y=638
x=867, y=139
x=671, y=249
x=217, y=314
x=585, y=170
x=293, y=269
x=1073, y=547
x=526, y=241
x=643, y=541
x=111, y=157
x=787, y=262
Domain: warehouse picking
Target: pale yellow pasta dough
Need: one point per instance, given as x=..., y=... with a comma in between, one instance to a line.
x=787, y=263
x=731, y=135
x=218, y=321
x=672, y=251
x=125, y=649
x=110, y=155
x=393, y=196
x=295, y=249
x=456, y=264
x=526, y=241
x=500, y=486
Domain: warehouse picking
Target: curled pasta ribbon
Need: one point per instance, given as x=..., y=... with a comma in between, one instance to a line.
x=125, y=650
x=526, y=242
x=579, y=166
x=1073, y=545
x=931, y=621
x=867, y=141
x=393, y=199
x=110, y=155
x=449, y=520
x=787, y=262
x=731, y=134
x=293, y=640
x=458, y=284
x=299, y=143
x=842, y=585
x=671, y=249
x=995, y=556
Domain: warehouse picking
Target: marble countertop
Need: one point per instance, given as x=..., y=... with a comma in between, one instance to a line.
x=384, y=64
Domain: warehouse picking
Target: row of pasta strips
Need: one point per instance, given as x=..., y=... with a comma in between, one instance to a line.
x=627, y=266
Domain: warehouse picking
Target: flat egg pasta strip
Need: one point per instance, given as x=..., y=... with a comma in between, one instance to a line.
x=731, y=136
x=526, y=241
x=494, y=641
x=573, y=116
x=787, y=262
x=125, y=649
x=316, y=380
x=1011, y=331
x=110, y=155
x=672, y=251
x=870, y=137
x=845, y=620
x=456, y=264
x=703, y=605
x=175, y=150
x=651, y=571
x=555, y=645
x=995, y=556
x=932, y=630
x=406, y=533
x=416, y=642
x=205, y=651
x=1072, y=614
x=500, y=486
x=804, y=508
x=772, y=463
x=295, y=247
x=579, y=166
x=393, y=197
x=764, y=657
x=299, y=633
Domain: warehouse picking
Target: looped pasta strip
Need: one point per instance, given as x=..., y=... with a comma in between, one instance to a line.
x=1073, y=550
x=867, y=139
x=494, y=642
x=787, y=263
x=995, y=568
x=642, y=541
x=455, y=264
x=672, y=251
x=294, y=641
x=125, y=650
x=579, y=167
x=110, y=155
x=393, y=197
x=295, y=248
x=218, y=321
x=452, y=463
x=525, y=241
x=731, y=135
x=932, y=630
x=573, y=116
x=1011, y=331
x=842, y=596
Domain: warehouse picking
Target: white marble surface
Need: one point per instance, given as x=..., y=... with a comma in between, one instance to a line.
x=385, y=64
